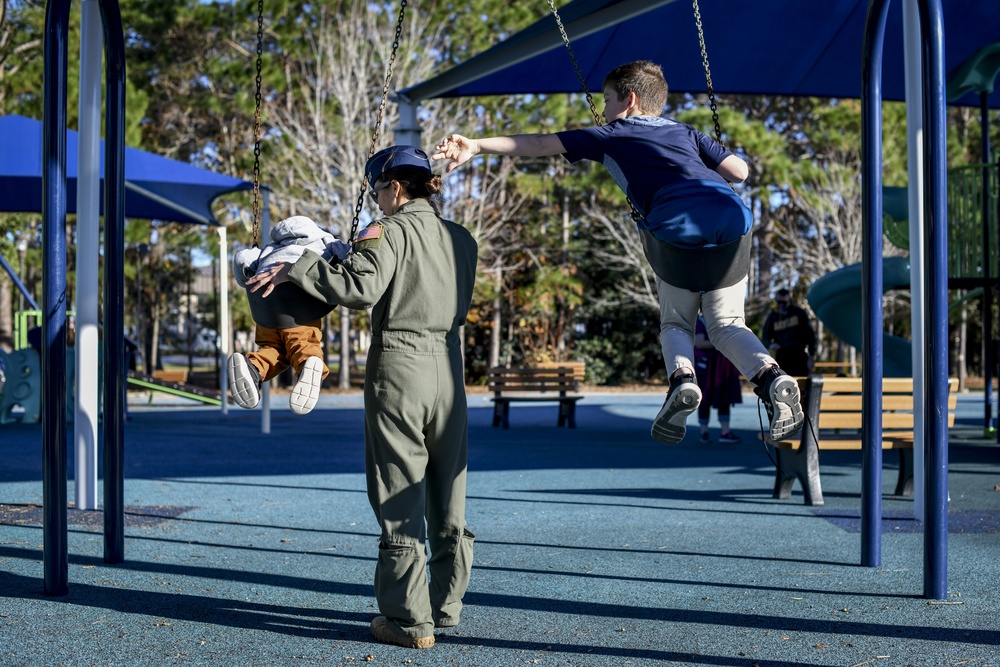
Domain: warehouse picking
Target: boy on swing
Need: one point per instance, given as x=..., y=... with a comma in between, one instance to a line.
x=676, y=178
x=288, y=329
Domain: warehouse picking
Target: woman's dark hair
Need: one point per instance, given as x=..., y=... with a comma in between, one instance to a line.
x=417, y=183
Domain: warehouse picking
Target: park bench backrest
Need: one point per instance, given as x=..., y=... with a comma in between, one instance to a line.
x=561, y=380
x=841, y=406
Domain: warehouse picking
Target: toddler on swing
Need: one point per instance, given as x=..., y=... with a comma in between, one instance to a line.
x=676, y=178
x=289, y=331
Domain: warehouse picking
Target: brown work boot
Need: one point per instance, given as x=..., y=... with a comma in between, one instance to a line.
x=385, y=634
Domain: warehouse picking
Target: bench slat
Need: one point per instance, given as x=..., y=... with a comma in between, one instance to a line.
x=578, y=368
x=889, y=385
x=539, y=399
x=853, y=420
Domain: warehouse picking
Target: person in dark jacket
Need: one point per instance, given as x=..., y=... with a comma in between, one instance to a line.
x=789, y=335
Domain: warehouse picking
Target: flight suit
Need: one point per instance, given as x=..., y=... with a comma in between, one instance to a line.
x=416, y=271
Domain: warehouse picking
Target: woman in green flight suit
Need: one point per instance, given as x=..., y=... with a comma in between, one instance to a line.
x=416, y=271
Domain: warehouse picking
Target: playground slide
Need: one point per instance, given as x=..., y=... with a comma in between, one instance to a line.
x=836, y=299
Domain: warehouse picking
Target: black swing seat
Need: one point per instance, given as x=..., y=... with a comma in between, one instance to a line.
x=698, y=269
x=286, y=307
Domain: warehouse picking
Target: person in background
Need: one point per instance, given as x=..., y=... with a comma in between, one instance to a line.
x=719, y=382
x=789, y=335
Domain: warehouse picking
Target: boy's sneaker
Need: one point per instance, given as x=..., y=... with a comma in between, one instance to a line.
x=729, y=438
x=306, y=390
x=244, y=381
x=682, y=399
x=705, y=438
x=780, y=393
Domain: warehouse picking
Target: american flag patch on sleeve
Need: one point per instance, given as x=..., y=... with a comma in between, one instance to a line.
x=370, y=233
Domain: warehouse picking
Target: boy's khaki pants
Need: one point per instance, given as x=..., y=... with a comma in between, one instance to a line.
x=727, y=330
x=416, y=450
x=277, y=349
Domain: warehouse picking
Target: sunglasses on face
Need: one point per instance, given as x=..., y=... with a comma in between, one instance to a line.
x=374, y=193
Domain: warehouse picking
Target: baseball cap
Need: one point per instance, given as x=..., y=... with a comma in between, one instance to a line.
x=395, y=156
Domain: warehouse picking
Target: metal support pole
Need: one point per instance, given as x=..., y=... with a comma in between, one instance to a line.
x=224, y=319
x=408, y=132
x=88, y=233
x=936, y=331
x=114, y=284
x=871, y=306
x=55, y=557
x=22, y=290
x=915, y=200
x=265, y=235
x=984, y=111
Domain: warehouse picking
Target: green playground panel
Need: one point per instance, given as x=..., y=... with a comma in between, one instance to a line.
x=965, y=221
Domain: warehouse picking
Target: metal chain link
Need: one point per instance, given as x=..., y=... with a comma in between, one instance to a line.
x=708, y=73
x=378, y=118
x=576, y=65
x=256, y=124
x=586, y=91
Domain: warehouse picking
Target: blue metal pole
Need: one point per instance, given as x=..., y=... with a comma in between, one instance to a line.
x=55, y=557
x=871, y=276
x=984, y=115
x=114, y=285
x=18, y=284
x=936, y=299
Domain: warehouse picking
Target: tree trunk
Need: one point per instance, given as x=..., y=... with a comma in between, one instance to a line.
x=820, y=341
x=153, y=349
x=562, y=315
x=496, y=324
x=6, y=313
x=344, y=379
x=961, y=366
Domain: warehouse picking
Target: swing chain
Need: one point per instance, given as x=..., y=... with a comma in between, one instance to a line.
x=378, y=117
x=708, y=72
x=256, y=124
x=576, y=65
x=634, y=212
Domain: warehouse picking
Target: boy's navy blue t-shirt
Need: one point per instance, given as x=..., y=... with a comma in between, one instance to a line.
x=667, y=169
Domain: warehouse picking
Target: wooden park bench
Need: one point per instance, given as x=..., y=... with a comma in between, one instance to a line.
x=178, y=376
x=534, y=385
x=833, y=407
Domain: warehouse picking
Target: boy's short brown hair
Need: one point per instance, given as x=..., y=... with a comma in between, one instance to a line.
x=645, y=79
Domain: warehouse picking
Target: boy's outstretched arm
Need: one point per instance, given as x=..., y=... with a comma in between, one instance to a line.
x=461, y=149
x=734, y=169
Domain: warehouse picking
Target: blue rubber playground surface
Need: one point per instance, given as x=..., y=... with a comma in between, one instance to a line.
x=595, y=546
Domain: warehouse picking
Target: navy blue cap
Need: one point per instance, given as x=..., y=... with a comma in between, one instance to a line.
x=395, y=156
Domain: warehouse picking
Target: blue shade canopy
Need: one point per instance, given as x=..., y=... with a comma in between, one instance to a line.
x=755, y=47
x=155, y=187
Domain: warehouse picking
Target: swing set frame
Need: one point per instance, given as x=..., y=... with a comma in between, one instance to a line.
x=257, y=121
x=634, y=212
